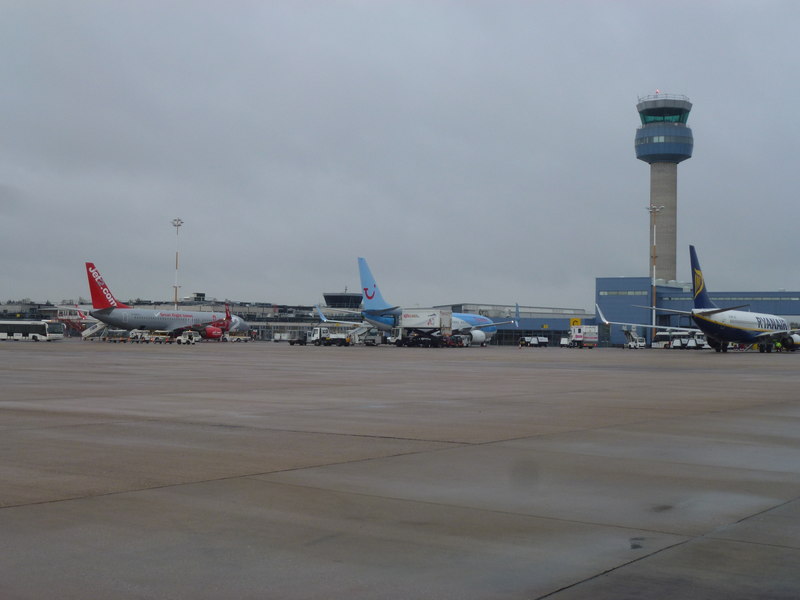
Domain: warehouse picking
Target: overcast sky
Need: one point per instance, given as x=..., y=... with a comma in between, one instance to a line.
x=471, y=151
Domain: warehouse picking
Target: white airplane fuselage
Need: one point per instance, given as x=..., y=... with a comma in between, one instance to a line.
x=210, y=324
x=738, y=326
x=165, y=320
x=481, y=328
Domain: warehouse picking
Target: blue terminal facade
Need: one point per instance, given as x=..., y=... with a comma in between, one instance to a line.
x=620, y=297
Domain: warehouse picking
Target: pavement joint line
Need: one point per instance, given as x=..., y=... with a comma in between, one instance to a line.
x=330, y=433
x=67, y=426
x=709, y=535
x=255, y=477
x=467, y=507
x=134, y=420
x=451, y=444
x=752, y=543
x=612, y=569
x=690, y=539
x=218, y=479
x=746, y=518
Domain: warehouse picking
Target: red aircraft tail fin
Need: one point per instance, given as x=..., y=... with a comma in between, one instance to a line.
x=101, y=295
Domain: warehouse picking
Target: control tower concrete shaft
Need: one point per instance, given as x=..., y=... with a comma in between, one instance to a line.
x=663, y=141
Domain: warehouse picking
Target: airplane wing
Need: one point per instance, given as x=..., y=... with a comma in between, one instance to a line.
x=674, y=311
x=705, y=313
x=341, y=310
x=492, y=324
x=325, y=319
x=515, y=321
x=766, y=335
x=665, y=327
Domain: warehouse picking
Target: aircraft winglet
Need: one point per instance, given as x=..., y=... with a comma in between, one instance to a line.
x=322, y=317
x=601, y=315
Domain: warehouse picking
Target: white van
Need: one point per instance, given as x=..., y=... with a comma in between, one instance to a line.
x=189, y=337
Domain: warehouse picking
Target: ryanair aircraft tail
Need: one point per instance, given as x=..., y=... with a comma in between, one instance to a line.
x=371, y=295
x=701, y=299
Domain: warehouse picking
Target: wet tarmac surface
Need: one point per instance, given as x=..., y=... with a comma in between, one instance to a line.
x=269, y=471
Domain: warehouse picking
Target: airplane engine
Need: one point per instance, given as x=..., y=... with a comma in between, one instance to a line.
x=211, y=333
x=478, y=336
x=791, y=342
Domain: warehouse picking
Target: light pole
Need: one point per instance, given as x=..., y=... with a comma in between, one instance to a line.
x=653, y=210
x=176, y=223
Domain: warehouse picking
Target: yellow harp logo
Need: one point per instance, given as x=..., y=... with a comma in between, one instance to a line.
x=698, y=282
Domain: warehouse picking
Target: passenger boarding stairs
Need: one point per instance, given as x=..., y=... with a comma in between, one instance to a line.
x=95, y=330
x=357, y=334
x=632, y=339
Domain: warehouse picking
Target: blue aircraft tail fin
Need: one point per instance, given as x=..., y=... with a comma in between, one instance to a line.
x=370, y=294
x=699, y=292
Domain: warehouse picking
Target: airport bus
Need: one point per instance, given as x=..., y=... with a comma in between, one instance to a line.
x=679, y=339
x=31, y=331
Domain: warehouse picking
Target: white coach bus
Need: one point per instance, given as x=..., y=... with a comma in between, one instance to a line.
x=31, y=331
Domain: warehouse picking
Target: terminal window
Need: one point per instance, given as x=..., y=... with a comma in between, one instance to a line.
x=624, y=293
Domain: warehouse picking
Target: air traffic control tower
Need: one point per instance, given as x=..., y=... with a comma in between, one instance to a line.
x=663, y=141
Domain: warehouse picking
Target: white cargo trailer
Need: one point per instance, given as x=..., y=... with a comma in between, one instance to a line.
x=423, y=327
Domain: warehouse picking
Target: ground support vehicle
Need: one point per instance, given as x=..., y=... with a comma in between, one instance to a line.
x=583, y=336
x=143, y=336
x=456, y=341
x=373, y=338
x=679, y=340
x=94, y=331
x=633, y=340
x=116, y=336
x=31, y=331
x=323, y=336
x=139, y=336
x=237, y=336
x=160, y=337
x=636, y=343
x=533, y=342
x=423, y=327
x=188, y=338
x=416, y=340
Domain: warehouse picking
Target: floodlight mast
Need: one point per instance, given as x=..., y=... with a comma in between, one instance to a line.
x=653, y=210
x=176, y=223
